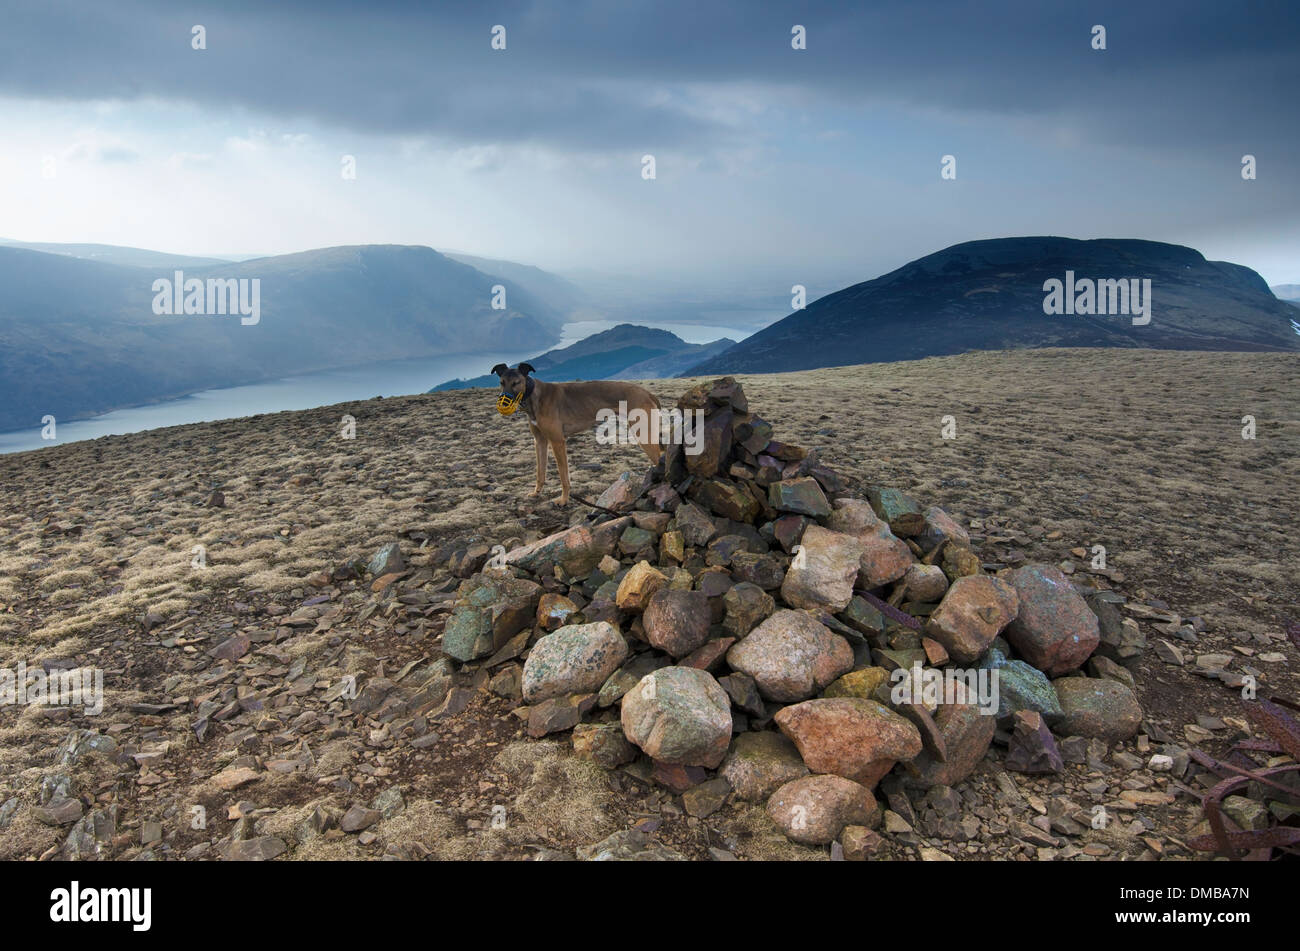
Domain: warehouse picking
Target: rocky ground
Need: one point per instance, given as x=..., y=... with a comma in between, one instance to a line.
x=211, y=572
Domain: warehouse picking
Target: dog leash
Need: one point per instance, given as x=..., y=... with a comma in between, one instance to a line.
x=599, y=508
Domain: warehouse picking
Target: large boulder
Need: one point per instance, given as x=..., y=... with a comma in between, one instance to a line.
x=577, y=550
x=791, y=656
x=815, y=809
x=1104, y=709
x=821, y=576
x=679, y=715
x=884, y=557
x=972, y=613
x=490, y=609
x=759, y=763
x=858, y=739
x=576, y=659
x=1054, y=629
x=1021, y=687
x=677, y=621
x=967, y=732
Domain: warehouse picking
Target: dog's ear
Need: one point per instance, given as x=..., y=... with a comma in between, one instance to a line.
x=499, y=369
x=526, y=368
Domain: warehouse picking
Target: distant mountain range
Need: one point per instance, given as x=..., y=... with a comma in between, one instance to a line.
x=625, y=352
x=112, y=254
x=1287, y=292
x=78, y=335
x=989, y=295
x=551, y=295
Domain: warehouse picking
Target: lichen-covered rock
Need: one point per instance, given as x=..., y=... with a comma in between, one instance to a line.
x=746, y=605
x=490, y=609
x=677, y=621
x=973, y=612
x=858, y=739
x=638, y=586
x=603, y=744
x=679, y=715
x=898, y=509
x=576, y=659
x=801, y=496
x=1021, y=687
x=791, y=656
x=821, y=576
x=858, y=683
x=1104, y=709
x=814, y=810
x=959, y=561
x=760, y=763
x=1054, y=629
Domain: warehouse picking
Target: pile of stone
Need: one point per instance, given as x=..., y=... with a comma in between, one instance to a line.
x=745, y=629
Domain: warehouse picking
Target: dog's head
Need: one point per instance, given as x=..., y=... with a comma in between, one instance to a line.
x=513, y=382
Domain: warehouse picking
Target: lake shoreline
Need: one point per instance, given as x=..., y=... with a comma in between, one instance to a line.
x=304, y=390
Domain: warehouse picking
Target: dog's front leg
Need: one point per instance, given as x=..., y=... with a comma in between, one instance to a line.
x=539, y=442
x=562, y=463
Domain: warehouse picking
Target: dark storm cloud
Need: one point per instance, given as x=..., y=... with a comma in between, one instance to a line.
x=587, y=75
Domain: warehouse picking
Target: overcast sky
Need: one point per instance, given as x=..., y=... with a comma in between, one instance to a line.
x=773, y=164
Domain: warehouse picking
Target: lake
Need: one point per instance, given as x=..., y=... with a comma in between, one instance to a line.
x=394, y=378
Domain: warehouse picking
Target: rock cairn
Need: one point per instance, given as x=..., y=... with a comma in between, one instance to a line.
x=737, y=633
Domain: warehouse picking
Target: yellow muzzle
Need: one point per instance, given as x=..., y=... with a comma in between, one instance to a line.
x=506, y=405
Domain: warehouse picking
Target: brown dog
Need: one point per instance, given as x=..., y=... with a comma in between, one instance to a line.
x=558, y=410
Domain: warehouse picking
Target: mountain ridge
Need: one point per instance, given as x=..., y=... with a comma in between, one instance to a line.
x=623, y=352
x=988, y=295
x=79, y=337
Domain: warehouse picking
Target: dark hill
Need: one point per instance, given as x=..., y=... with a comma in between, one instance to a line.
x=988, y=295
x=626, y=352
x=79, y=337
